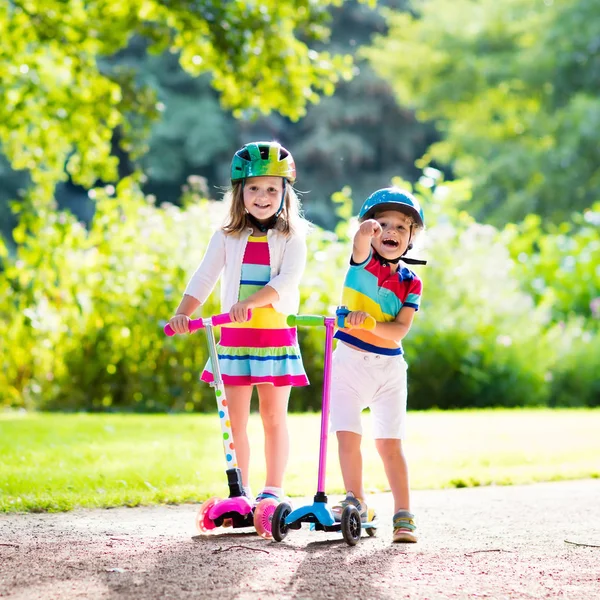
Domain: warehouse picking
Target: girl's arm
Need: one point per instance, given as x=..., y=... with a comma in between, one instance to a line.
x=292, y=266
x=263, y=297
x=187, y=306
x=201, y=284
x=180, y=323
x=207, y=274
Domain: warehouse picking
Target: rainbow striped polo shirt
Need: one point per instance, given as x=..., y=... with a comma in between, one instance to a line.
x=373, y=288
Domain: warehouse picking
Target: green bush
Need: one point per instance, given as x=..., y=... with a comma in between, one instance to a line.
x=575, y=379
x=478, y=340
x=559, y=266
x=83, y=310
x=81, y=313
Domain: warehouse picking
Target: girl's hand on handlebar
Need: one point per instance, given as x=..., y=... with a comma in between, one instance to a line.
x=180, y=324
x=239, y=312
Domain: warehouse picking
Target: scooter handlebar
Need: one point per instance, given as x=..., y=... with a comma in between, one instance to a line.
x=317, y=320
x=195, y=324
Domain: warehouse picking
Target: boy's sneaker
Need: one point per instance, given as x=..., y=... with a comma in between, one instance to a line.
x=366, y=514
x=404, y=527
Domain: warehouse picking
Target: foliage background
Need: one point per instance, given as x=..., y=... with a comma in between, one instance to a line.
x=130, y=124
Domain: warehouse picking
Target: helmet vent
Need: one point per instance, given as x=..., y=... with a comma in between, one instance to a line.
x=264, y=152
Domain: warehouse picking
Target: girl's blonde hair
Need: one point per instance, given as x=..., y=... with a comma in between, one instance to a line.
x=289, y=222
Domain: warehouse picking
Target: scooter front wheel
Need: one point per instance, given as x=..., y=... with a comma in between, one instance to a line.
x=278, y=527
x=203, y=523
x=351, y=525
x=263, y=517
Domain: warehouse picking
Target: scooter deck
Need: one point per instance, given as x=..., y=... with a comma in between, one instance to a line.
x=320, y=517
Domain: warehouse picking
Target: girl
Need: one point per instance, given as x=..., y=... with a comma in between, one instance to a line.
x=261, y=251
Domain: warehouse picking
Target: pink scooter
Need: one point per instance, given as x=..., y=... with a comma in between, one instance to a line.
x=237, y=510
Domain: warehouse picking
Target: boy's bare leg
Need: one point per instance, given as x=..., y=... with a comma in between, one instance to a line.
x=351, y=462
x=396, y=469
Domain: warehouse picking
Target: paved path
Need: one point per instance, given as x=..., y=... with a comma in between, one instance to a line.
x=493, y=542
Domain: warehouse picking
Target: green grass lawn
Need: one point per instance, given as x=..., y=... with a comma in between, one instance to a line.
x=57, y=462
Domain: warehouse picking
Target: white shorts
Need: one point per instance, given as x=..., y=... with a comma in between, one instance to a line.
x=363, y=379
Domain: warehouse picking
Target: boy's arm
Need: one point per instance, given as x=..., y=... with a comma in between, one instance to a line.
x=398, y=328
x=361, y=249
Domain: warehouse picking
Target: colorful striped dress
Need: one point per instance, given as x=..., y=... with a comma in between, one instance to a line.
x=264, y=349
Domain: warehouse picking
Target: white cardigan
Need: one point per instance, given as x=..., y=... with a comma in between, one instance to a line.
x=287, y=257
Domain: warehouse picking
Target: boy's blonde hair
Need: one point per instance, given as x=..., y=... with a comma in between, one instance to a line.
x=289, y=222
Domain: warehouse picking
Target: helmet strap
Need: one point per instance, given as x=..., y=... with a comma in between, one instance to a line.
x=405, y=259
x=282, y=198
x=269, y=224
x=385, y=262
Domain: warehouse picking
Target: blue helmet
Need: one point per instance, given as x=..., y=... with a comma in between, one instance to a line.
x=392, y=198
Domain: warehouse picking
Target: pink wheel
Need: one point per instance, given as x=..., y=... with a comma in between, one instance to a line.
x=263, y=516
x=203, y=523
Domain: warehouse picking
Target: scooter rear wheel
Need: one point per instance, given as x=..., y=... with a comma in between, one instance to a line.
x=203, y=523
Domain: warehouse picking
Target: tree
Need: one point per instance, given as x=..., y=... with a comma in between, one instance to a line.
x=358, y=137
x=514, y=88
x=59, y=107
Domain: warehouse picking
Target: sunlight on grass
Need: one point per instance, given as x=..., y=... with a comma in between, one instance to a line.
x=57, y=462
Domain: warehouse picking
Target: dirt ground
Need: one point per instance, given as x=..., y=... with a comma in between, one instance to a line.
x=494, y=542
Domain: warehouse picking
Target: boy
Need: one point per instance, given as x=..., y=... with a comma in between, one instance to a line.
x=368, y=367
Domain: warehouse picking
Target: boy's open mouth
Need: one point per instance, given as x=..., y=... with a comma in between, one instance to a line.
x=392, y=244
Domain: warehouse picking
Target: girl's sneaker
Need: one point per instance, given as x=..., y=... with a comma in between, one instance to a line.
x=366, y=514
x=404, y=527
x=266, y=494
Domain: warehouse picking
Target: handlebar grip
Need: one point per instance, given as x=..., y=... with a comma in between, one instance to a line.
x=307, y=320
x=369, y=324
x=318, y=321
x=195, y=324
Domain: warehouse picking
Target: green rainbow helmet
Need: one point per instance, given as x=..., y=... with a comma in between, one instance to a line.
x=260, y=159
x=392, y=198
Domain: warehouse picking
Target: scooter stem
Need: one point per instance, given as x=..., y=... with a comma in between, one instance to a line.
x=329, y=326
x=217, y=384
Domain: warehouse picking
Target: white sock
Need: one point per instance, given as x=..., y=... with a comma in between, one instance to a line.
x=248, y=491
